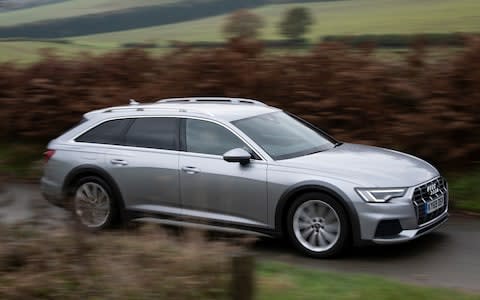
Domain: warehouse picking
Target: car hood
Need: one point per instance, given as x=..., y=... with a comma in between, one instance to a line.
x=366, y=165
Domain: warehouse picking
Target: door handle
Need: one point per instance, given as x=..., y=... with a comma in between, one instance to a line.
x=190, y=170
x=119, y=162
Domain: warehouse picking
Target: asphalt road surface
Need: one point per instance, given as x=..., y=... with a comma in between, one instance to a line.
x=449, y=257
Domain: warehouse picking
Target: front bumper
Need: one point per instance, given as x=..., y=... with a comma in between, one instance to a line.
x=411, y=234
x=397, y=221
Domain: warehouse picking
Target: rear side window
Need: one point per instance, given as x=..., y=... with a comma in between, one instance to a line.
x=110, y=132
x=158, y=133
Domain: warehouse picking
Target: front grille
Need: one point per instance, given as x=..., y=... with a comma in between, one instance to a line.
x=421, y=196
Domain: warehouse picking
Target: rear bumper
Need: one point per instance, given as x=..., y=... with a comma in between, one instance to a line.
x=411, y=234
x=52, y=192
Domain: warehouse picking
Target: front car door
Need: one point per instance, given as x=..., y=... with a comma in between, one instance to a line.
x=214, y=189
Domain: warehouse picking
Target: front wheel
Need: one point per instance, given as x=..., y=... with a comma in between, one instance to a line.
x=318, y=225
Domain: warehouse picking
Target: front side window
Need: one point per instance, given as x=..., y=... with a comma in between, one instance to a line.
x=110, y=132
x=282, y=136
x=210, y=138
x=157, y=133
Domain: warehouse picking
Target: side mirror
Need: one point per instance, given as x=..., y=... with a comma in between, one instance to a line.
x=238, y=155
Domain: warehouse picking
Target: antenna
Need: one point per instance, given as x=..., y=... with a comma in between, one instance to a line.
x=134, y=102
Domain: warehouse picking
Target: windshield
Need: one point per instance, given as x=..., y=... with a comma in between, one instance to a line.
x=283, y=136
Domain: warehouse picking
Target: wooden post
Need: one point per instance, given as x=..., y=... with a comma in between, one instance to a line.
x=243, y=281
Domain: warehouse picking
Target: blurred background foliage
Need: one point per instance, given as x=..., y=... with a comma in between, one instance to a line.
x=426, y=108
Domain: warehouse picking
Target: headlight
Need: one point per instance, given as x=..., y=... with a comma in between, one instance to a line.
x=380, y=195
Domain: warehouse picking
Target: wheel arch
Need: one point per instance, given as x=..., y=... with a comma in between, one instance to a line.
x=293, y=192
x=91, y=170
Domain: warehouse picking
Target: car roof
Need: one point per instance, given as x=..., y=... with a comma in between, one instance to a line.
x=226, y=109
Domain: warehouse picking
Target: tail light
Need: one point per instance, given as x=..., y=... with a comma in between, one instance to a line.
x=48, y=154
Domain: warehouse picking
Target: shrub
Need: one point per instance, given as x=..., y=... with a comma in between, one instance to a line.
x=296, y=23
x=147, y=264
x=429, y=109
x=243, y=24
x=400, y=40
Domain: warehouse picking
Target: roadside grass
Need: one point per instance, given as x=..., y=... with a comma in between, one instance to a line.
x=281, y=281
x=465, y=191
x=149, y=263
x=143, y=264
x=21, y=160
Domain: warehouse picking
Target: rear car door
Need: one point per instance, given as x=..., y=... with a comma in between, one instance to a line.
x=214, y=189
x=145, y=164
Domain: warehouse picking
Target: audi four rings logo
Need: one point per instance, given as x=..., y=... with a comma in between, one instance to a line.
x=432, y=189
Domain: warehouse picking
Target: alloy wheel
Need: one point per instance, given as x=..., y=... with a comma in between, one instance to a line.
x=92, y=205
x=316, y=225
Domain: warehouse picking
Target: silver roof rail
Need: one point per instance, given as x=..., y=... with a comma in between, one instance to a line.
x=136, y=107
x=212, y=100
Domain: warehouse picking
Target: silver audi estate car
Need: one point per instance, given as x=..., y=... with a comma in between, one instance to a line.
x=240, y=165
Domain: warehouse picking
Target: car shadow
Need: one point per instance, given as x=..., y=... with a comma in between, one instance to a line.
x=416, y=248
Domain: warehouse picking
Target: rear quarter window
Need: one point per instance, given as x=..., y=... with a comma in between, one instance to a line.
x=110, y=132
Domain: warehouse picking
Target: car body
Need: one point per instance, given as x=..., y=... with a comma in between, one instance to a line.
x=238, y=164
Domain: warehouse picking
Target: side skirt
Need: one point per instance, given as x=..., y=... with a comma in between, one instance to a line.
x=201, y=224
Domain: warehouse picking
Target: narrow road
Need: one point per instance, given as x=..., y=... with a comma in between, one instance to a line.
x=21, y=203
x=449, y=257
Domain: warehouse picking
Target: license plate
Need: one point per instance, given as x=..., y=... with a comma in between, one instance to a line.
x=434, y=205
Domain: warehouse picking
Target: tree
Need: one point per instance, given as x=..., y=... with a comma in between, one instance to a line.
x=243, y=24
x=296, y=23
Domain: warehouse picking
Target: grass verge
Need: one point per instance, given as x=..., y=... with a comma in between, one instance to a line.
x=465, y=191
x=150, y=264
x=280, y=281
x=144, y=264
x=21, y=160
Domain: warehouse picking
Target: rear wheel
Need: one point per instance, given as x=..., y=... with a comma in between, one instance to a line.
x=93, y=204
x=318, y=225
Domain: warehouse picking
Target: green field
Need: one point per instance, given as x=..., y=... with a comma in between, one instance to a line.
x=71, y=8
x=345, y=17
x=332, y=18
x=27, y=52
